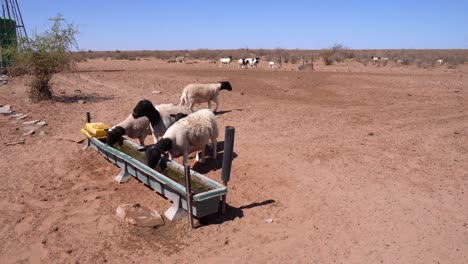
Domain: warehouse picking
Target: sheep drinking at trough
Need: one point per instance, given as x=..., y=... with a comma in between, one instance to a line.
x=159, y=116
x=187, y=135
x=132, y=127
x=197, y=93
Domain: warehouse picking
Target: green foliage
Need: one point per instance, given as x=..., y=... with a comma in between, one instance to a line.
x=45, y=55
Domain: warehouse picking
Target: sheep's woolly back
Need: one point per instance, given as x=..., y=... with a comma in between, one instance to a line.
x=165, y=111
x=199, y=93
x=135, y=127
x=193, y=132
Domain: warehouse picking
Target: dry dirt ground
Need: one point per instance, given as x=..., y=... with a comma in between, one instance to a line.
x=345, y=164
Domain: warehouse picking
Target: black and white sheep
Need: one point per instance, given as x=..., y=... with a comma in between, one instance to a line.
x=133, y=128
x=161, y=116
x=252, y=62
x=196, y=93
x=187, y=135
x=242, y=63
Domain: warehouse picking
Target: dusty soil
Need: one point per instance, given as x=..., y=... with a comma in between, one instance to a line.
x=346, y=164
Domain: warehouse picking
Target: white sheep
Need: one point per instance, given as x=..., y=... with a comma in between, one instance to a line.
x=242, y=63
x=440, y=61
x=133, y=128
x=161, y=117
x=197, y=93
x=187, y=135
x=180, y=59
x=272, y=65
x=225, y=61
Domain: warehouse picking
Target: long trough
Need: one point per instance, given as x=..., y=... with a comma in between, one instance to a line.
x=207, y=194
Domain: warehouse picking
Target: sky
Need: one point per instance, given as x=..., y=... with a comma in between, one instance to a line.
x=235, y=24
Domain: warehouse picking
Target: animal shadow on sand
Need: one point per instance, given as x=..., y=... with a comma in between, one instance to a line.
x=231, y=213
x=88, y=98
x=227, y=111
x=212, y=164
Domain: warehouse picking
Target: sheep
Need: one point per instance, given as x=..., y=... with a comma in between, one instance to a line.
x=272, y=65
x=399, y=61
x=197, y=93
x=242, y=63
x=180, y=59
x=225, y=61
x=252, y=62
x=187, y=135
x=375, y=59
x=440, y=61
x=159, y=116
x=133, y=128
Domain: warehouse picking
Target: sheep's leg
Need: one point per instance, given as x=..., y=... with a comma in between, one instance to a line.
x=142, y=139
x=217, y=103
x=209, y=105
x=202, y=160
x=191, y=106
x=215, y=148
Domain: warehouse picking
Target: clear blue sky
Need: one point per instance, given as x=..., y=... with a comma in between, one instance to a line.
x=233, y=24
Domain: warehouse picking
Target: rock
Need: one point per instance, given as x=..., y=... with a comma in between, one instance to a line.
x=32, y=122
x=156, y=92
x=5, y=110
x=22, y=117
x=28, y=128
x=269, y=220
x=81, y=101
x=42, y=133
x=16, y=115
x=77, y=91
x=30, y=132
x=139, y=215
x=41, y=123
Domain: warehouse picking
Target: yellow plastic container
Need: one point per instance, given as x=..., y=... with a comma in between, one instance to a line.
x=98, y=130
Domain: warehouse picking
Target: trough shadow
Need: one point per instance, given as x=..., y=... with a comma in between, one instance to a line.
x=88, y=98
x=227, y=111
x=231, y=213
x=212, y=164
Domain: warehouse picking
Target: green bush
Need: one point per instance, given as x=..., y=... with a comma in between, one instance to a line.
x=45, y=55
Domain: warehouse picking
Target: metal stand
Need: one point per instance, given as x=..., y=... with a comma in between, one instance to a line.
x=123, y=175
x=176, y=211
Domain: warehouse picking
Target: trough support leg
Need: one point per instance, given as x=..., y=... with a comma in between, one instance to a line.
x=86, y=144
x=176, y=211
x=123, y=175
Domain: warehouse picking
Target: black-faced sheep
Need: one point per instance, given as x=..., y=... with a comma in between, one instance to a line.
x=159, y=116
x=133, y=128
x=187, y=135
x=197, y=93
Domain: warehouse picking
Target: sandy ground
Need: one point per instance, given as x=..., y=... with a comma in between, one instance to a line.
x=345, y=164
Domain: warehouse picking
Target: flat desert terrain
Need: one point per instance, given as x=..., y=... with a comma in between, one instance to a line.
x=344, y=164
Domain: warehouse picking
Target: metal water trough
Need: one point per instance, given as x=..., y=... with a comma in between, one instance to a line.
x=203, y=203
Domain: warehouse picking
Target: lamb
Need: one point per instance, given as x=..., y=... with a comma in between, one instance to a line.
x=133, y=128
x=187, y=135
x=197, y=93
x=161, y=117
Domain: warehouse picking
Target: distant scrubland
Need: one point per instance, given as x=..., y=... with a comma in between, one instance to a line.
x=337, y=53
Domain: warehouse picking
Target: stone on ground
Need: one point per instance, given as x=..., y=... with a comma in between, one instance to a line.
x=139, y=215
